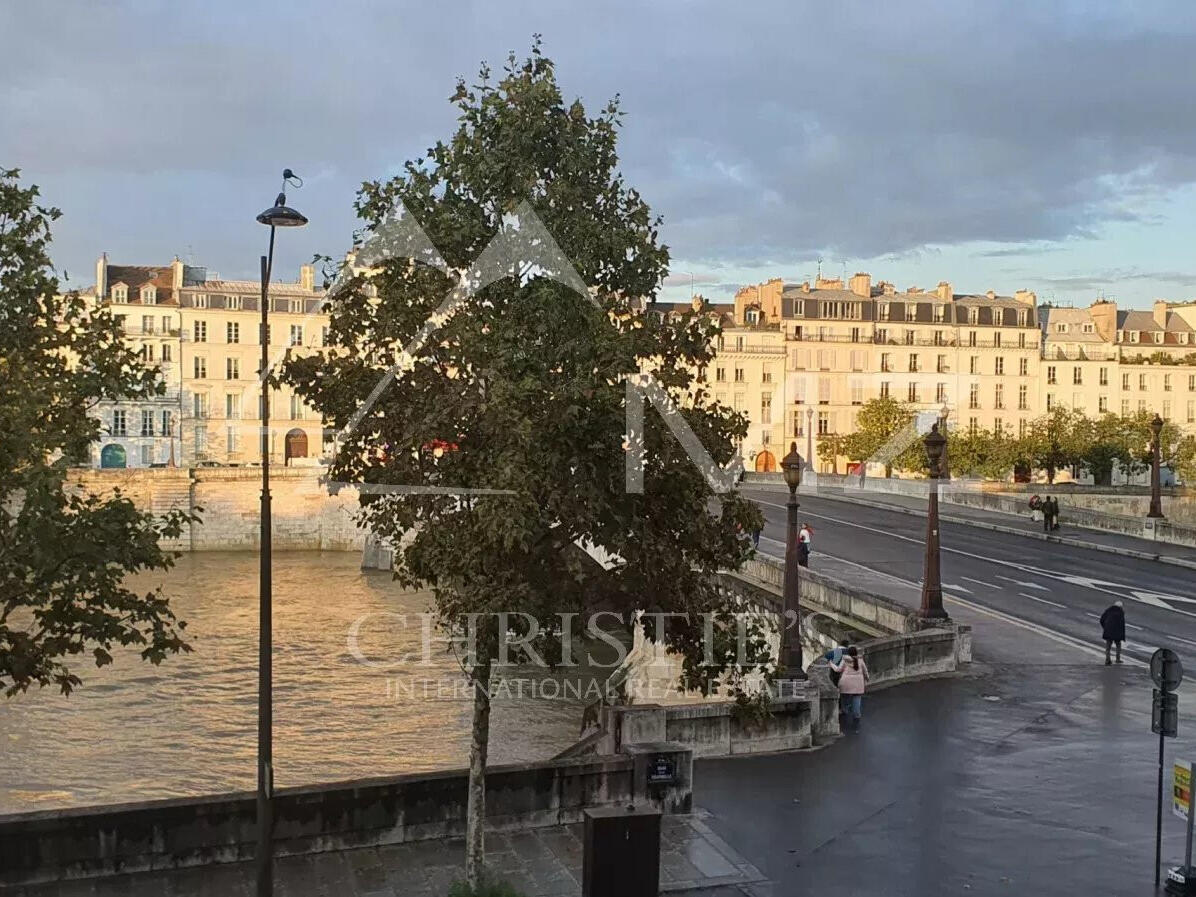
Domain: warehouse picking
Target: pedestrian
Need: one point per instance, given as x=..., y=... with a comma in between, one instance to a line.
x=1112, y=623
x=805, y=538
x=835, y=656
x=756, y=537
x=1054, y=513
x=1047, y=509
x=1036, y=508
x=853, y=679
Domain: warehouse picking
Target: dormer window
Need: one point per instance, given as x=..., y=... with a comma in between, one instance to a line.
x=233, y=302
x=1158, y=337
x=201, y=300
x=149, y=294
x=1061, y=328
x=1089, y=328
x=883, y=311
x=120, y=293
x=1022, y=318
x=1134, y=336
x=295, y=306
x=752, y=316
x=973, y=315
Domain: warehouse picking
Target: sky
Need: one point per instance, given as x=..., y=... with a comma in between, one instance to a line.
x=1041, y=145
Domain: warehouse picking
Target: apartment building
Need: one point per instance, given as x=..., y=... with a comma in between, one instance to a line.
x=748, y=375
x=202, y=334
x=1104, y=359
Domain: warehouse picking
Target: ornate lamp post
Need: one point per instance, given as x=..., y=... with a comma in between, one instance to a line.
x=791, y=666
x=932, y=585
x=809, y=439
x=279, y=215
x=1156, y=499
x=946, y=465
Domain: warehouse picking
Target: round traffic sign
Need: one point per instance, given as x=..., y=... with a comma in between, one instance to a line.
x=1166, y=670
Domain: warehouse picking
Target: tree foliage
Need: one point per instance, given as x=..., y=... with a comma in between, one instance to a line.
x=64, y=555
x=525, y=383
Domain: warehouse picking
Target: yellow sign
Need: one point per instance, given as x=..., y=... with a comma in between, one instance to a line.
x=1181, y=788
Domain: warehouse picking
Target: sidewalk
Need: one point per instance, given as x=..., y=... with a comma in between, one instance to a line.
x=543, y=862
x=1099, y=540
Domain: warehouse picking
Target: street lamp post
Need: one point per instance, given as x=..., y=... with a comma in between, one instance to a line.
x=932, y=584
x=1156, y=499
x=791, y=666
x=809, y=439
x=279, y=215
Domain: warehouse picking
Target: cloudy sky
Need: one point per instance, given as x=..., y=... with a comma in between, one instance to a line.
x=1044, y=145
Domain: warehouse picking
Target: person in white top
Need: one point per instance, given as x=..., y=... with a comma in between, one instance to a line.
x=853, y=680
x=804, y=542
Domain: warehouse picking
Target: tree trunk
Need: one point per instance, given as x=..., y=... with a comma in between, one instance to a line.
x=888, y=471
x=475, y=850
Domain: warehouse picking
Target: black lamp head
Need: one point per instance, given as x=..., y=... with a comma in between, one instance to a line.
x=791, y=466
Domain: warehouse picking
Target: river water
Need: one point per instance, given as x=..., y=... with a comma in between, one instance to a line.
x=135, y=731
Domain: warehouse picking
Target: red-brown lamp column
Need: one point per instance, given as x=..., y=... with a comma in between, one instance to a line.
x=1156, y=498
x=791, y=663
x=932, y=583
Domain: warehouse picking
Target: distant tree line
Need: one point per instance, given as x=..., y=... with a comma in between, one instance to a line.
x=1062, y=439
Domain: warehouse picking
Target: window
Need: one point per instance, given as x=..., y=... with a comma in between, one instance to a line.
x=824, y=390
x=120, y=423
x=1166, y=409
x=739, y=377
x=940, y=313
x=999, y=366
x=885, y=363
x=166, y=324
x=1021, y=429
x=882, y=335
x=147, y=423
x=766, y=376
x=1021, y=340
x=940, y=392
x=1103, y=376
x=230, y=440
x=974, y=395
x=738, y=401
x=882, y=311
x=720, y=375
x=166, y=352
x=857, y=392
x=999, y=395
x=826, y=359
x=1061, y=328
x=147, y=323
x=1166, y=384
x=1142, y=381
x=971, y=337
x=1125, y=407
x=909, y=337
x=1022, y=317
x=855, y=334
x=147, y=352
x=913, y=361
x=766, y=408
x=167, y=424
x=1023, y=366
x=998, y=425
x=739, y=344
x=233, y=302
x=1102, y=404
x=799, y=427
x=997, y=338
x=324, y=335
x=1051, y=374
x=296, y=334
x=232, y=331
x=149, y=294
x=1023, y=398
x=232, y=368
x=938, y=338
x=296, y=408
x=1077, y=376
x=941, y=365
x=201, y=331
x=1050, y=401
x=911, y=311
x=973, y=425
x=751, y=316
x=884, y=389
x=857, y=360
x=824, y=423
x=766, y=437
x=1125, y=381
x=199, y=405
x=973, y=315
x=1191, y=382
x=1141, y=404
x=147, y=455
x=800, y=391
x=913, y=392
x=120, y=293
x=201, y=441
x=295, y=306
x=1191, y=412
x=974, y=364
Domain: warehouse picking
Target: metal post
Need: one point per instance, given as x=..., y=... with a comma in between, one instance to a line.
x=791, y=665
x=1156, y=499
x=932, y=584
x=265, y=695
x=809, y=438
x=1158, y=825
x=1188, y=840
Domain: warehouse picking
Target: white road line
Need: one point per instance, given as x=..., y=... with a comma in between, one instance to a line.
x=1022, y=583
x=1043, y=600
x=980, y=582
x=1177, y=638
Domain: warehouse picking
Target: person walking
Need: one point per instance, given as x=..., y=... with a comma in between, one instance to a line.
x=1054, y=513
x=1047, y=509
x=756, y=537
x=853, y=679
x=835, y=656
x=804, y=540
x=1112, y=624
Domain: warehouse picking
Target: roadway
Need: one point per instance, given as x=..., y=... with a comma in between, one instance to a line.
x=1058, y=587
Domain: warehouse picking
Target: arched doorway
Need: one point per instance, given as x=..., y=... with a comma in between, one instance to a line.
x=766, y=462
x=113, y=455
x=296, y=445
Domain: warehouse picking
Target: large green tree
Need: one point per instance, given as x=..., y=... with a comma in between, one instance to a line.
x=64, y=554
x=878, y=421
x=522, y=391
x=1056, y=440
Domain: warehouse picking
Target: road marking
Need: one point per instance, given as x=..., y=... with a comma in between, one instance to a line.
x=1176, y=638
x=957, y=588
x=1026, y=585
x=1043, y=600
x=980, y=582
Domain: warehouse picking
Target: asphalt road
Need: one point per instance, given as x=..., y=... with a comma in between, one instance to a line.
x=1059, y=587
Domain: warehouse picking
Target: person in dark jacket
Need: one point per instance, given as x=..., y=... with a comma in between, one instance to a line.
x=1112, y=623
x=1054, y=513
x=1048, y=509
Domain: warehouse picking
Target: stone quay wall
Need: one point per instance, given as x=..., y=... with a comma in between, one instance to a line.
x=304, y=515
x=59, y=845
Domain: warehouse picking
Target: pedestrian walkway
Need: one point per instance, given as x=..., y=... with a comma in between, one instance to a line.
x=1023, y=525
x=542, y=862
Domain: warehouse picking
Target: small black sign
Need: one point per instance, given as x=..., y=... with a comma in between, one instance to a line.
x=662, y=771
x=1166, y=670
x=1164, y=714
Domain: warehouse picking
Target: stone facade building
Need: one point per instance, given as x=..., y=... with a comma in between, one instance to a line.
x=202, y=333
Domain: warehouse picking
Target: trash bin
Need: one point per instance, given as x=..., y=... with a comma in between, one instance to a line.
x=622, y=852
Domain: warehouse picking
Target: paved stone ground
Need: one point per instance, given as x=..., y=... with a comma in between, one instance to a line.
x=540, y=863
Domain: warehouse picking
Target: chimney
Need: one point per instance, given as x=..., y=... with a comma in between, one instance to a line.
x=1026, y=297
x=1104, y=316
x=102, y=276
x=1160, y=313
x=805, y=286
x=176, y=276
x=887, y=288
x=861, y=284
x=307, y=277
x=911, y=290
x=944, y=291
x=991, y=294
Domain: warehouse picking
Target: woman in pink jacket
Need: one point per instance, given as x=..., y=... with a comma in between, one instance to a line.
x=853, y=678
